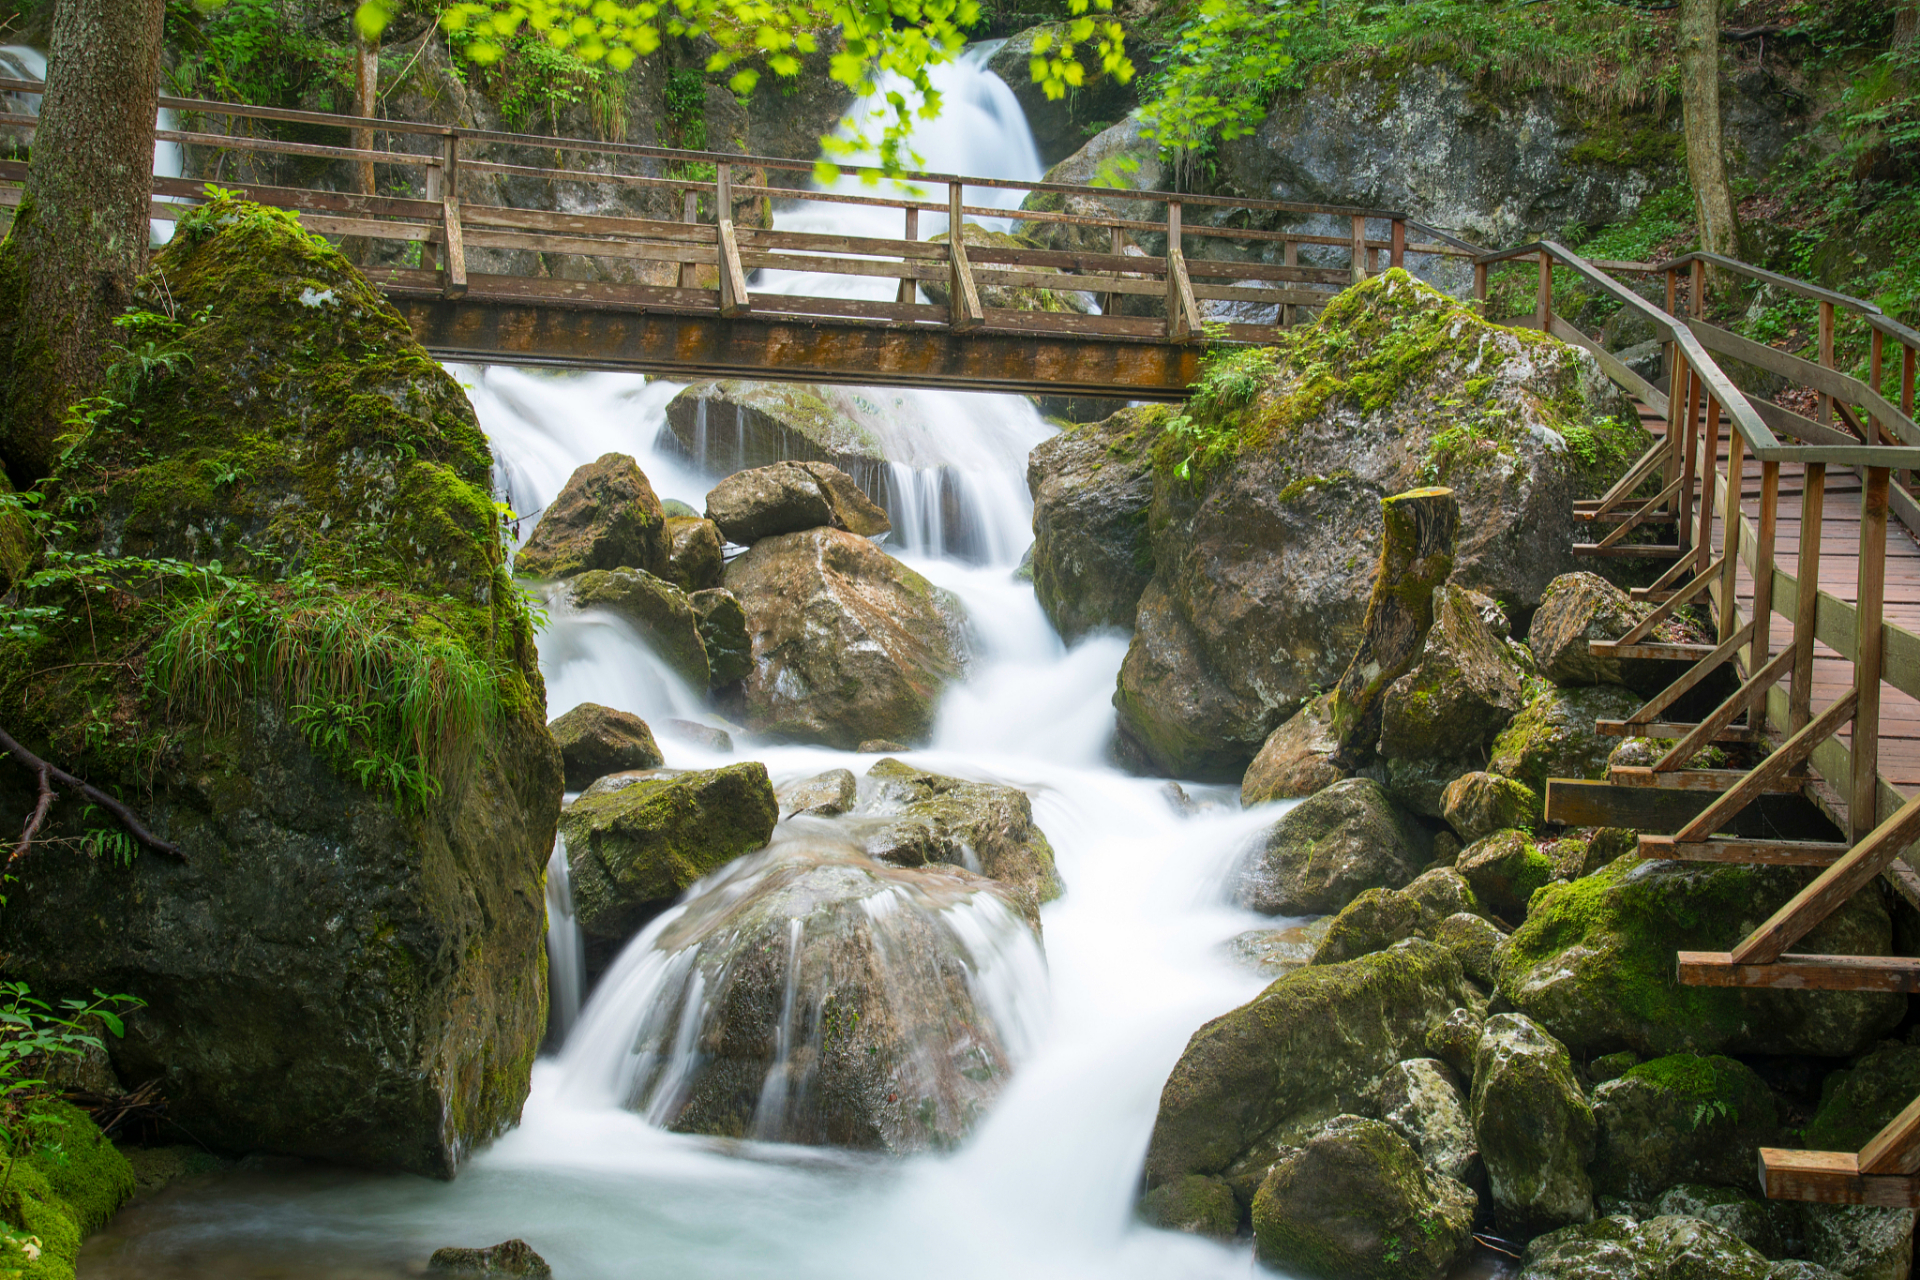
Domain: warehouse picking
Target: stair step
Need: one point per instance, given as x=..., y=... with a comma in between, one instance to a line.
x=1632, y=775
x=1772, y=853
x=1668, y=729
x=1637, y=550
x=1803, y=973
x=1672, y=652
x=1832, y=1177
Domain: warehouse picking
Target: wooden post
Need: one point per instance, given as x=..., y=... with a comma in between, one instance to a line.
x=1183, y=314
x=1480, y=285
x=453, y=279
x=1813, y=497
x=1673, y=290
x=963, y=300
x=1762, y=645
x=733, y=279
x=436, y=186
x=1289, y=256
x=1543, y=307
x=1826, y=359
x=1399, y=251
x=690, y=213
x=1359, y=249
x=910, y=287
x=1697, y=303
x=1863, y=809
x=1906, y=379
x=1730, y=537
x=1689, y=451
x=1677, y=374
x=1709, y=474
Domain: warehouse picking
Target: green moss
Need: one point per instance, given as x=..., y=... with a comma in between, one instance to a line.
x=1857, y=1103
x=69, y=1184
x=1716, y=1087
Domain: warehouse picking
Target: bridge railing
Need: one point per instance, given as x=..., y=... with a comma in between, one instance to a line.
x=703, y=257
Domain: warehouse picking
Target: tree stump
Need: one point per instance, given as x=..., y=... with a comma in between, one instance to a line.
x=1416, y=556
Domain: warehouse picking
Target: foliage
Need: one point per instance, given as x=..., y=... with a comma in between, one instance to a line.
x=247, y=51
x=1207, y=431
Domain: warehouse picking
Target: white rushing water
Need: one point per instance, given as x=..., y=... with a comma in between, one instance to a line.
x=1133, y=960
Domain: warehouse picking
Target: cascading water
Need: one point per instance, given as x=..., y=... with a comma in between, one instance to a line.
x=1133, y=961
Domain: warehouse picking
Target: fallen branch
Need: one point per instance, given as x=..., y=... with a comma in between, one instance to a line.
x=46, y=771
x=39, y=816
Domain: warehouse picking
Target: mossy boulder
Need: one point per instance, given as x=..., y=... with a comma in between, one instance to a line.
x=923, y=818
x=694, y=556
x=1355, y=1202
x=1855, y=1104
x=789, y=497
x=1422, y=1098
x=1771, y=1226
x=658, y=610
x=348, y=964
x=1478, y=804
x=1554, y=737
x=1312, y=1046
x=727, y=426
x=848, y=643
x=1681, y=1118
x=1378, y=918
x=1475, y=941
x=1194, y=1204
x=825, y=794
x=1860, y=1242
x=1594, y=963
x=606, y=516
x=1330, y=848
x=721, y=620
x=1534, y=1126
x=1505, y=870
x=1091, y=486
x=632, y=850
x=70, y=1180
x=515, y=1258
x=1579, y=608
x=595, y=741
x=1619, y=1248
x=1266, y=516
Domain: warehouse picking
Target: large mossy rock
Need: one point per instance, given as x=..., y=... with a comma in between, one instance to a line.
x=789, y=497
x=1554, y=737
x=1579, y=608
x=1857, y=1103
x=724, y=427
x=1478, y=804
x=695, y=558
x=606, y=517
x=658, y=610
x=849, y=645
x=1120, y=158
x=721, y=621
x=595, y=741
x=1682, y=1118
x=1505, y=870
x=349, y=962
x=1422, y=1099
x=1330, y=848
x=1355, y=1202
x=1594, y=963
x=60, y=1188
x=1091, y=486
x=1310, y=1047
x=1669, y=1248
x=1534, y=1126
x=1378, y=918
x=1265, y=533
x=926, y=818
x=839, y=1005
x=632, y=849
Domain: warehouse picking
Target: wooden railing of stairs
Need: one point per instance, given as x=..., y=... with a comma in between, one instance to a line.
x=1689, y=483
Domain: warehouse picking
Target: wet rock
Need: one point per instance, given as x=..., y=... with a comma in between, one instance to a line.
x=1666, y=1248
x=1553, y=737
x=789, y=497
x=1505, y=870
x=1119, y=158
x=631, y=851
x=1356, y=1200
x=514, y=1258
x=1379, y=918
x=657, y=609
x=881, y=747
x=1330, y=848
x=1262, y=560
x=848, y=643
x=1091, y=486
x=606, y=517
x=1594, y=963
x=1273, y=952
x=838, y=1005
x=1534, y=1127
x=699, y=735
x=1297, y=758
x=676, y=509
x=1475, y=942
x=1422, y=1099
x=1582, y=607
x=1312, y=1046
x=727, y=426
x=1681, y=1118
x=613, y=782
x=826, y=794
x=722, y=623
x=1194, y=1204
x=1855, y=1104
x=1457, y=1039
x=926, y=818
x=1478, y=804
x=1860, y=1242
x=694, y=559
x=1757, y=1222
x=596, y=741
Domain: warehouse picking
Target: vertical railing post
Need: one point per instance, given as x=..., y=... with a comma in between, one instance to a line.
x=1907, y=361
x=453, y=276
x=1826, y=359
x=1543, y=305
x=1181, y=316
x=1289, y=256
x=1763, y=544
x=1480, y=286
x=689, y=213
x=1688, y=406
x=1359, y=249
x=1709, y=481
x=436, y=186
x=1697, y=299
x=1806, y=609
x=1397, y=255
x=1863, y=809
x=1730, y=536
x=1117, y=243
x=909, y=285
x=1677, y=374
x=733, y=277
x=963, y=299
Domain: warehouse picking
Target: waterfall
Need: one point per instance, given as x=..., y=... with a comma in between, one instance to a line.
x=566, y=951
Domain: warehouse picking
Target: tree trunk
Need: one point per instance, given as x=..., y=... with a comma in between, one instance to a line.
x=80, y=237
x=1706, y=148
x=366, y=101
x=1906, y=26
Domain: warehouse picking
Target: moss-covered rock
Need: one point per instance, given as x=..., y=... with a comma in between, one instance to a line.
x=1330, y=848
x=1091, y=486
x=631, y=851
x=1666, y=1248
x=1681, y=1118
x=1379, y=918
x=1768, y=1226
x=825, y=794
x=595, y=741
x=1534, y=1126
x=1355, y=1202
x=1860, y=1242
x=605, y=517
x=789, y=497
x=1553, y=737
x=1478, y=804
x=1421, y=1098
x=510, y=1258
x=1505, y=869
x=1196, y=1204
x=1311, y=1046
x=1594, y=963
x=348, y=964
x=721, y=621
x=694, y=556
x=64, y=1186
x=658, y=610
x=1475, y=941
x=1579, y=608
x=1855, y=1104
x=1297, y=759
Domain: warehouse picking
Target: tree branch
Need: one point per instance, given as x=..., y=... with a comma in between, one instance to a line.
x=39, y=816
x=45, y=771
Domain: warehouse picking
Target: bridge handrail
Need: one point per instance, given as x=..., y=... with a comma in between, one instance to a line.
x=1867, y=311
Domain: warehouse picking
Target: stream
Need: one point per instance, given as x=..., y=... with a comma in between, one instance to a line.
x=1134, y=955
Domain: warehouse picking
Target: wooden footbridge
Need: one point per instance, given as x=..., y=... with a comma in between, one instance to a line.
x=678, y=295
x=1777, y=524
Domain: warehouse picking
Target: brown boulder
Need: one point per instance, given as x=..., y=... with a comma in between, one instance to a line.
x=1297, y=759
x=1091, y=486
x=789, y=497
x=657, y=608
x=596, y=741
x=694, y=560
x=606, y=517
